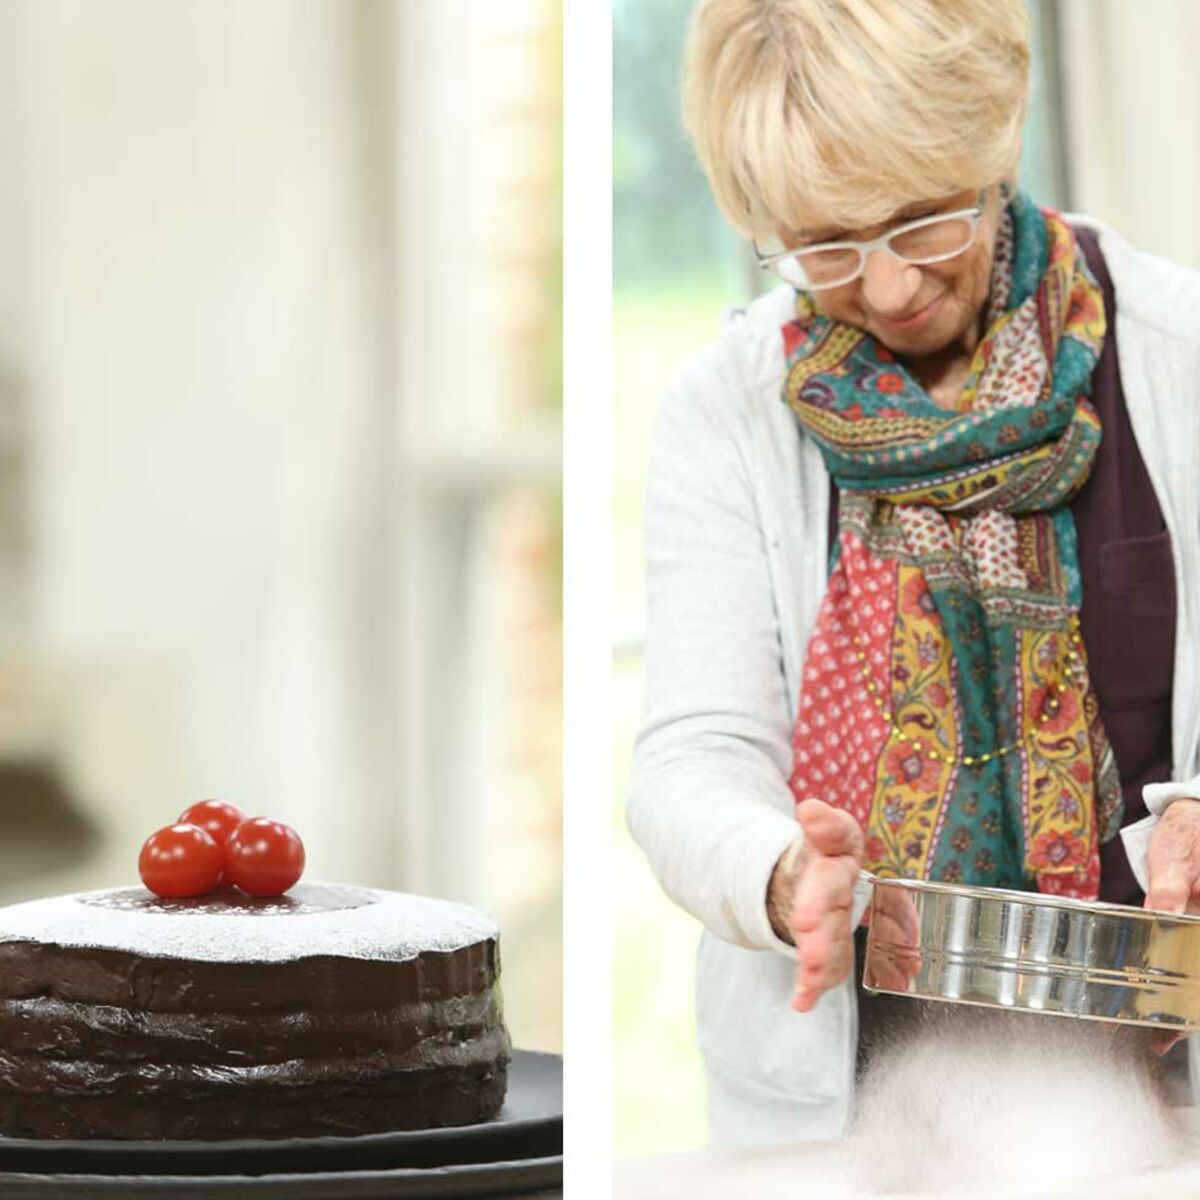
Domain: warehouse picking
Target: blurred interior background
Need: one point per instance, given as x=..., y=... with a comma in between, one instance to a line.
x=280, y=444
x=1109, y=133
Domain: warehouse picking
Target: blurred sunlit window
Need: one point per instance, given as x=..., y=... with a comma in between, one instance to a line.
x=480, y=363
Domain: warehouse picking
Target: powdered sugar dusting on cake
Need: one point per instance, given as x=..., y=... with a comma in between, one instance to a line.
x=311, y=920
x=300, y=901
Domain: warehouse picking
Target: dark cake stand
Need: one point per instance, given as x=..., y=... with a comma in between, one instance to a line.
x=517, y=1154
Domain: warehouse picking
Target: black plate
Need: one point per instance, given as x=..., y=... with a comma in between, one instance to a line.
x=528, y=1127
x=540, y=1178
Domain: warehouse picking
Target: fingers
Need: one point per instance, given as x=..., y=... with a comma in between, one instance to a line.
x=830, y=830
x=892, y=974
x=811, y=985
x=822, y=944
x=824, y=958
x=827, y=885
x=895, y=927
x=897, y=908
x=820, y=915
x=820, y=924
x=1169, y=890
x=1173, y=858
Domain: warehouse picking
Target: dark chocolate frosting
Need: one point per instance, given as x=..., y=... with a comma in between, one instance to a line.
x=102, y=1042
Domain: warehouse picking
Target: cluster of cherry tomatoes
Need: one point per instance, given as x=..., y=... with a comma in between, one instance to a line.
x=214, y=843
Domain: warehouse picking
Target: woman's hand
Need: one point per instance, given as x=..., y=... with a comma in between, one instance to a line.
x=810, y=896
x=1173, y=858
x=1173, y=873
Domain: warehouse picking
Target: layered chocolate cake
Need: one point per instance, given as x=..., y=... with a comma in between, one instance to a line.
x=331, y=1010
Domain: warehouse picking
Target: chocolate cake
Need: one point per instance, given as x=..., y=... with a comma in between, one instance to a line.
x=331, y=1010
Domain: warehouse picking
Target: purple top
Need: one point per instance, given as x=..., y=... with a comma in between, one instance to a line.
x=1128, y=613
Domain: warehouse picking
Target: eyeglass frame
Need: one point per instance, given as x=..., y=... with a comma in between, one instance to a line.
x=972, y=215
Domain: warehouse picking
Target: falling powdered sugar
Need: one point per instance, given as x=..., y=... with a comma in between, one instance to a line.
x=979, y=1103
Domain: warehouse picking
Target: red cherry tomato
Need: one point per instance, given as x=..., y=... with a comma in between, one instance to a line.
x=264, y=857
x=216, y=817
x=180, y=860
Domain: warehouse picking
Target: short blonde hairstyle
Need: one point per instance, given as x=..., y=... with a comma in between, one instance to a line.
x=853, y=108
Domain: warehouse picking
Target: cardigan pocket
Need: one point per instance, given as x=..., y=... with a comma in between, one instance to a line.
x=1137, y=608
x=750, y=1035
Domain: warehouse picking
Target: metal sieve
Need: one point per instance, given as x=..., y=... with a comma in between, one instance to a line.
x=1033, y=952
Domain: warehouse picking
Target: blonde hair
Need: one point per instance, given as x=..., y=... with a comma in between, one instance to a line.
x=853, y=108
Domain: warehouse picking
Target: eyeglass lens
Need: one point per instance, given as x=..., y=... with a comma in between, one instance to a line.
x=928, y=243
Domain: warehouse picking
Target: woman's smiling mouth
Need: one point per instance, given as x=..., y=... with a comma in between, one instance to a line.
x=899, y=324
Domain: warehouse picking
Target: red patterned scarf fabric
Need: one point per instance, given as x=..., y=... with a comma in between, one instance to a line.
x=945, y=698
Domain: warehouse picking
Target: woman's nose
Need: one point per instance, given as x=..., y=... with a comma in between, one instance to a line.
x=889, y=284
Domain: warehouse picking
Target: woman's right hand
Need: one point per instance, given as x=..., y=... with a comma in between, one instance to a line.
x=810, y=898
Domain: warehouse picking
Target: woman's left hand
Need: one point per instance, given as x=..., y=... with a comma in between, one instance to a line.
x=1173, y=872
x=1173, y=858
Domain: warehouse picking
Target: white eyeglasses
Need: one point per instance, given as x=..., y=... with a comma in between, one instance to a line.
x=920, y=242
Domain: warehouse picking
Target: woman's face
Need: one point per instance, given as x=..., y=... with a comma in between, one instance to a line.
x=913, y=311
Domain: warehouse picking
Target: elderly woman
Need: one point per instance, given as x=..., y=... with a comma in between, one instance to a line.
x=923, y=535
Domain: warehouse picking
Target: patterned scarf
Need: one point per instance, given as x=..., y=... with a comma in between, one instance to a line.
x=945, y=699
